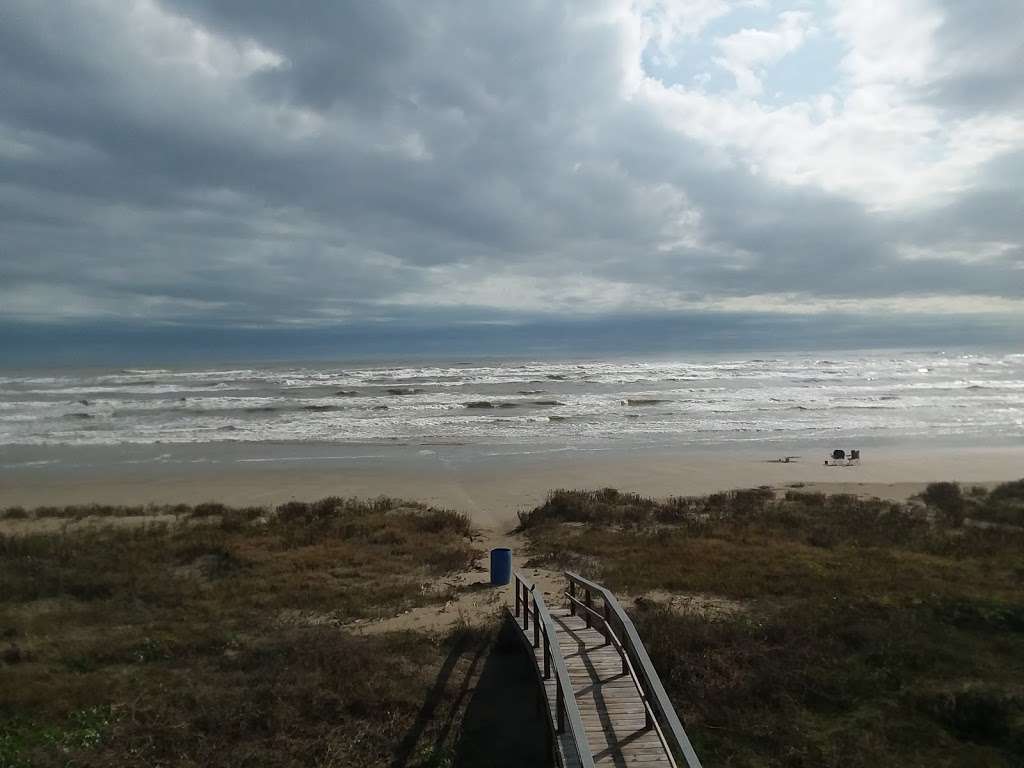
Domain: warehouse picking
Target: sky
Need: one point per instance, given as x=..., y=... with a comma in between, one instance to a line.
x=207, y=173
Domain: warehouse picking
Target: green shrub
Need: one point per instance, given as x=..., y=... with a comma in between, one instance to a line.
x=208, y=509
x=1012, y=490
x=947, y=499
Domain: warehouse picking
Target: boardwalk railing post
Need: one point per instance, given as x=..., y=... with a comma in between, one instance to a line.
x=536, y=625
x=547, y=655
x=526, y=610
x=607, y=629
x=559, y=708
x=588, y=606
x=518, y=597
x=572, y=592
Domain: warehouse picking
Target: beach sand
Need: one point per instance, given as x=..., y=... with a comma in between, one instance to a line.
x=492, y=491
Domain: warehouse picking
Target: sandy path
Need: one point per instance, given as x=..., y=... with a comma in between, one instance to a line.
x=476, y=601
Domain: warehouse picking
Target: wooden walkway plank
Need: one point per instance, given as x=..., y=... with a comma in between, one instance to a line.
x=613, y=722
x=610, y=704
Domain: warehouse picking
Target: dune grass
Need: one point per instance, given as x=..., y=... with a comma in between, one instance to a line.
x=224, y=638
x=867, y=632
x=1004, y=505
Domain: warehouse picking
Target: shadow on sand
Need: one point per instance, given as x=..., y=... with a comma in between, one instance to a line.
x=495, y=689
x=504, y=724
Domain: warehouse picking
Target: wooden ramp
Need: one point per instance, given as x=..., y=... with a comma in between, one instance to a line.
x=617, y=714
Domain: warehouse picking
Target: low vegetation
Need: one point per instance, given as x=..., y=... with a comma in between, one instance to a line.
x=859, y=631
x=223, y=637
x=1004, y=505
x=814, y=630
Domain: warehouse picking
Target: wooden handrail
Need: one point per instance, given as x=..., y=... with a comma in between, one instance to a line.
x=566, y=708
x=650, y=718
x=633, y=650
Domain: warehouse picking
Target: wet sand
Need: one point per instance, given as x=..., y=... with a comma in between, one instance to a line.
x=492, y=490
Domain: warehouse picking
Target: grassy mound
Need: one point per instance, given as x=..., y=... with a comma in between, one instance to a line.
x=860, y=632
x=220, y=639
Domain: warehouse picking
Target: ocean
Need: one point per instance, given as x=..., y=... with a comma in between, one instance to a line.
x=842, y=398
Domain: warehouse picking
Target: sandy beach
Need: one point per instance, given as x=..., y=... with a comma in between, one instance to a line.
x=492, y=489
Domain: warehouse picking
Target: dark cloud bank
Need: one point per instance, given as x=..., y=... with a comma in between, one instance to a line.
x=226, y=178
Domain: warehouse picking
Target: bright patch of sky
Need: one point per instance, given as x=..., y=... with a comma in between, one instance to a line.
x=774, y=52
x=809, y=71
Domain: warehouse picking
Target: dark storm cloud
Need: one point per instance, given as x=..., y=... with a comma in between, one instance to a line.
x=254, y=162
x=984, y=43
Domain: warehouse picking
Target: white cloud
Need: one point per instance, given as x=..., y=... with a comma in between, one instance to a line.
x=670, y=23
x=965, y=252
x=746, y=53
x=585, y=295
x=872, y=137
x=177, y=43
x=889, y=44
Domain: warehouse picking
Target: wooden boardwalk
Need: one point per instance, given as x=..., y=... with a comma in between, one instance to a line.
x=609, y=701
x=618, y=713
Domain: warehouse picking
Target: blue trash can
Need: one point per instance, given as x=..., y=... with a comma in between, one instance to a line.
x=501, y=566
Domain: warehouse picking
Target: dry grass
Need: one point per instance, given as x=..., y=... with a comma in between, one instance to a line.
x=873, y=633
x=221, y=641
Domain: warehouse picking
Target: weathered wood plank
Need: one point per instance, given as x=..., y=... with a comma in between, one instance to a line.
x=611, y=709
x=621, y=625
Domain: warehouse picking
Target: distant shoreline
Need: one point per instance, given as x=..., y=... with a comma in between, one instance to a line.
x=492, y=489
